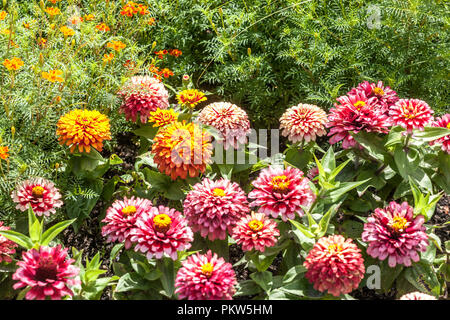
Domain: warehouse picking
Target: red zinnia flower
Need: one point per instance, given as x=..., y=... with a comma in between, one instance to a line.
x=411, y=114
x=161, y=231
x=121, y=219
x=281, y=192
x=335, y=265
x=385, y=96
x=256, y=231
x=443, y=122
x=393, y=233
x=47, y=272
x=38, y=193
x=7, y=247
x=213, y=207
x=205, y=277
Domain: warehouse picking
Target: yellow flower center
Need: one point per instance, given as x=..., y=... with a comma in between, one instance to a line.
x=37, y=191
x=217, y=192
x=256, y=225
x=378, y=91
x=334, y=248
x=359, y=104
x=399, y=224
x=280, y=183
x=207, y=269
x=128, y=211
x=162, y=222
x=448, y=125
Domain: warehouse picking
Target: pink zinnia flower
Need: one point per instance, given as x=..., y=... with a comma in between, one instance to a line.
x=417, y=296
x=143, y=94
x=443, y=122
x=303, y=122
x=7, y=247
x=205, y=277
x=47, y=272
x=335, y=265
x=281, y=192
x=411, y=114
x=213, y=207
x=121, y=219
x=161, y=231
x=256, y=231
x=39, y=194
x=394, y=233
x=230, y=120
x=385, y=96
x=354, y=113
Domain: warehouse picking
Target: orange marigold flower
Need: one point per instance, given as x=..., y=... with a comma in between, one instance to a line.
x=13, y=64
x=190, y=97
x=53, y=75
x=143, y=10
x=102, y=27
x=3, y=15
x=161, y=53
x=88, y=17
x=175, y=52
x=162, y=117
x=182, y=149
x=4, y=152
x=154, y=69
x=108, y=57
x=116, y=45
x=67, y=31
x=151, y=21
x=26, y=25
x=83, y=129
x=166, y=72
x=52, y=11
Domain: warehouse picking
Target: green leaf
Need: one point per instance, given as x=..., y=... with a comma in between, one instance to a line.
x=132, y=281
x=298, y=158
x=328, y=161
x=146, y=131
x=407, y=164
x=166, y=266
x=263, y=279
x=422, y=276
x=21, y=239
x=293, y=272
x=431, y=133
x=388, y=275
x=247, y=288
x=303, y=229
x=52, y=232
x=115, y=251
x=337, y=193
x=325, y=221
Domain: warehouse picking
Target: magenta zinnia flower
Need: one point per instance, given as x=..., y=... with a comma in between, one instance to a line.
x=47, y=272
x=7, y=247
x=335, y=265
x=230, y=120
x=213, y=207
x=205, y=277
x=161, y=231
x=355, y=113
x=411, y=114
x=143, y=94
x=385, y=96
x=443, y=122
x=303, y=122
x=256, y=231
x=281, y=192
x=121, y=219
x=417, y=296
x=394, y=233
x=39, y=194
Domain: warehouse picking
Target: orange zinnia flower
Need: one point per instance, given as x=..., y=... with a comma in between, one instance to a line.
x=13, y=64
x=162, y=117
x=166, y=72
x=102, y=27
x=4, y=152
x=52, y=11
x=67, y=31
x=89, y=17
x=83, y=129
x=190, y=97
x=53, y=75
x=175, y=52
x=182, y=149
x=116, y=45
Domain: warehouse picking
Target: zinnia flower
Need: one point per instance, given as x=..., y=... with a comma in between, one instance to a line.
x=13, y=64
x=143, y=94
x=7, y=247
x=355, y=113
x=394, y=233
x=190, y=97
x=47, y=272
x=102, y=27
x=213, y=207
x=53, y=75
x=255, y=231
x=161, y=231
x=230, y=120
x=411, y=114
x=417, y=296
x=335, y=265
x=121, y=219
x=161, y=117
x=385, y=96
x=4, y=152
x=182, y=149
x=443, y=122
x=83, y=129
x=205, y=277
x=39, y=194
x=116, y=45
x=52, y=11
x=67, y=31
x=303, y=122
x=281, y=192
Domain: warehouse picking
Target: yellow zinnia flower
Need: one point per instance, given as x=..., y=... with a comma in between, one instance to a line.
x=67, y=31
x=52, y=11
x=190, y=97
x=162, y=117
x=13, y=64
